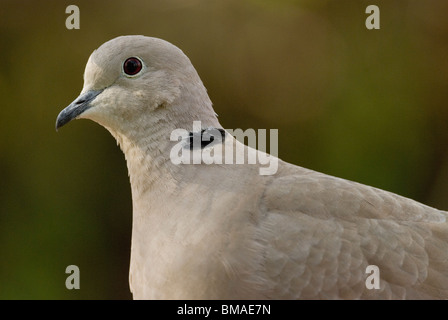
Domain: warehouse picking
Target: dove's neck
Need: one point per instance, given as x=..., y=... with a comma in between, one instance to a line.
x=147, y=145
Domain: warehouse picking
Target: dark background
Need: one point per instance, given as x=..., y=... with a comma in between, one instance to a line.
x=365, y=105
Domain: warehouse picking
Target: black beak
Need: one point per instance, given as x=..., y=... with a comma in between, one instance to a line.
x=81, y=104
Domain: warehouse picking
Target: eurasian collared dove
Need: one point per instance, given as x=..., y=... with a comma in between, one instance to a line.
x=223, y=231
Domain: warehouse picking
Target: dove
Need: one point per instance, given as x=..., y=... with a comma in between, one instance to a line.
x=226, y=231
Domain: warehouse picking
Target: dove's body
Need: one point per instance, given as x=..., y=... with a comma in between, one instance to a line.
x=227, y=232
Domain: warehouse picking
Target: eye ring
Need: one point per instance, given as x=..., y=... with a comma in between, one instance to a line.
x=132, y=66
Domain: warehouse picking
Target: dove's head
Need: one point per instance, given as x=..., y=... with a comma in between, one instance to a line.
x=132, y=83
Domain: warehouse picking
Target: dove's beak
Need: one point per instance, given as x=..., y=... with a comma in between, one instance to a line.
x=77, y=107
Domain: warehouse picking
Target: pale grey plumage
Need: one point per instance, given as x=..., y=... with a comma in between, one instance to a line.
x=227, y=232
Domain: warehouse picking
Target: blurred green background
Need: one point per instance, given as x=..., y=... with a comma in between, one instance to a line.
x=366, y=105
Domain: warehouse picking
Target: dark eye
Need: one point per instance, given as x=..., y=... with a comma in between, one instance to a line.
x=132, y=66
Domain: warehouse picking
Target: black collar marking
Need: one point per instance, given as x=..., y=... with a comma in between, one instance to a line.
x=205, y=138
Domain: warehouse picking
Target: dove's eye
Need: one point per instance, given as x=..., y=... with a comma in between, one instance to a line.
x=132, y=66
